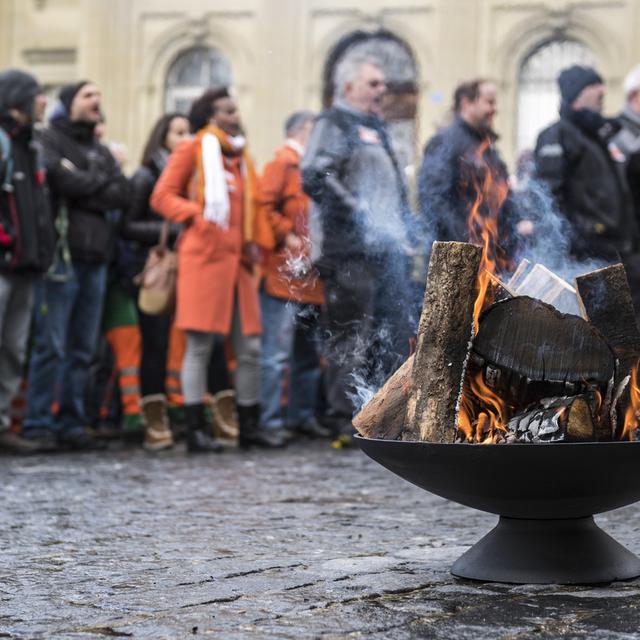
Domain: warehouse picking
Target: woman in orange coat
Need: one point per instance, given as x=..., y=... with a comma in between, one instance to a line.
x=210, y=186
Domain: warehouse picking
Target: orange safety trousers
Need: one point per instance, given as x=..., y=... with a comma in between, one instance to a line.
x=175, y=356
x=126, y=345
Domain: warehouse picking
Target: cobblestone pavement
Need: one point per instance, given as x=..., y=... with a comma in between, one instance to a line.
x=303, y=543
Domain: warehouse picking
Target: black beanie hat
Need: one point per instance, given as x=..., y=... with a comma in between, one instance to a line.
x=574, y=79
x=68, y=93
x=17, y=91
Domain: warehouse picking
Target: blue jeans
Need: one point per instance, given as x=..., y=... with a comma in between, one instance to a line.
x=288, y=338
x=67, y=321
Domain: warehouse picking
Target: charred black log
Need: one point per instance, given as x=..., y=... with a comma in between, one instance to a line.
x=529, y=351
x=556, y=420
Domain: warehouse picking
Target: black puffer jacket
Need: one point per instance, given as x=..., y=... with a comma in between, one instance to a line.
x=83, y=173
x=351, y=173
x=24, y=212
x=141, y=224
x=590, y=187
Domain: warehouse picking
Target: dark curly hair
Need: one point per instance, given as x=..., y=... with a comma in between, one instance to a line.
x=204, y=107
x=158, y=136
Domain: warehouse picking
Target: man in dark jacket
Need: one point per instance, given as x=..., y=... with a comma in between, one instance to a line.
x=26, y=235
x=359, y=238
x=626, y=148
x=85, y=183
x=584, y=174
x=454, y=165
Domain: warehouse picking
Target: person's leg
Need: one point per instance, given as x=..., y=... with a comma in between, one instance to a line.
x=120, y=322
x=304, y=378
x=84, y=326
x=154, y=331
x=348, y=322
x=175, y=358
x=16, y=301
x=277, y=334
x=194, y=387
x=53, y=302
x=247, y=350
x=394, y=319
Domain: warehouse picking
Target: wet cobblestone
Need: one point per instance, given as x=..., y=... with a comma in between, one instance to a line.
x=302, y=543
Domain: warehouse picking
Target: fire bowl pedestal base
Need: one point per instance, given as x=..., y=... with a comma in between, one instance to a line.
x=573, y=551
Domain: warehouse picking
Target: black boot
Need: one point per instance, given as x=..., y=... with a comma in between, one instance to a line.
x=251, y=435
x=198, y=440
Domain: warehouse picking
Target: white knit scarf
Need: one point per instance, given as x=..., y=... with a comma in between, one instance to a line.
x=216, y=194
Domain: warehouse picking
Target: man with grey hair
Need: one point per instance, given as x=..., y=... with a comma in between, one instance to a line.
x=291, y=293
x=359, y=239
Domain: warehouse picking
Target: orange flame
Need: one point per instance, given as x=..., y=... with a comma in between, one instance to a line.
x=482, y=222
x=483, y=413
x=632, y=414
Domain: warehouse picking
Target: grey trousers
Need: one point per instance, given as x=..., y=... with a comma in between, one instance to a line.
x=196, y=362
x=16, y=303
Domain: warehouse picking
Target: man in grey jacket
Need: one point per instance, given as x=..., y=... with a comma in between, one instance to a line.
x=360, y=239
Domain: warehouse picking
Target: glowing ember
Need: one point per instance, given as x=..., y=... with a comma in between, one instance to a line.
x=483, y=414
x=632, y=414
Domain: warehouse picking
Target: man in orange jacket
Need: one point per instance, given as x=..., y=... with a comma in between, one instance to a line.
x=291, y=292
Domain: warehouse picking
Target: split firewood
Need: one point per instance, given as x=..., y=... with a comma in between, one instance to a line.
x=383, y=416
x=543, y=284
x=518, y=275
x=444, y=339
x=606, y=301
x=555, y=420
x=532, y=351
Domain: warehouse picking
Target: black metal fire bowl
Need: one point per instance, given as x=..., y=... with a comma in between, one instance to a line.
x=545, y=495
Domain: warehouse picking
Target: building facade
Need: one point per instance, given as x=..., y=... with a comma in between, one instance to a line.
x=148, y=56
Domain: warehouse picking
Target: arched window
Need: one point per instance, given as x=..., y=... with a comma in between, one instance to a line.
x=397, y=61
x=191, y=73
x=538, y=94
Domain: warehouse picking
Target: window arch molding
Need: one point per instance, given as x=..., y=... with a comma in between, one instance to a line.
x=319, y=54
x=538, y=96
x=182, y=84
x=525, y=37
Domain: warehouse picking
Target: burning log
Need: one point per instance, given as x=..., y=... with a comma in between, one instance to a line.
x=444, y=337
x=532, y=351
x=383, y=416
x=606, y=301
x=568, y=419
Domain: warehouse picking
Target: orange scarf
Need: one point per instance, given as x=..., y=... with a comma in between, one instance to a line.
x=253, y=227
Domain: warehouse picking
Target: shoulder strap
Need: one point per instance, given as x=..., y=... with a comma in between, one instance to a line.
x=5, y=155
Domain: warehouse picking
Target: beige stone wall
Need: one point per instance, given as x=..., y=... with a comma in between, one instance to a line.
x=277, y=50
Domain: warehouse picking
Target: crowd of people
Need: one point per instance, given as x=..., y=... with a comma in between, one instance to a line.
x=296, y=288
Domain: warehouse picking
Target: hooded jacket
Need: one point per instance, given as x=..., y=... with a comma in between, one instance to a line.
x=24, y=211
x=83, y=174
x=588, y=183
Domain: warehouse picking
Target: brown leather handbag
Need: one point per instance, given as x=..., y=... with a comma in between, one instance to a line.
x=157, y=281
